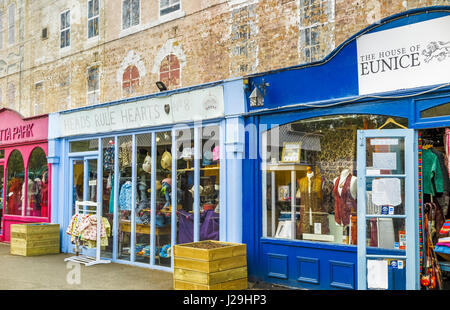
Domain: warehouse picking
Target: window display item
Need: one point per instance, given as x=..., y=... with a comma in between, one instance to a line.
x=166, y=189
x=344, y=193
x=291, y=152
x=166, y=161
x=147, y=165
x=431, y=173
x=312, y=212
x=125, y=196
x=108, y=156
x=386, y=191
x=216, y=153
x=209, y=226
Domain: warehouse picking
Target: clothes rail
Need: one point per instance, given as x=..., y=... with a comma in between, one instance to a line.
x=80, y=208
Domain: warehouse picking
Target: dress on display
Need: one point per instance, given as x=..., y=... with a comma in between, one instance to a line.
x=344, y=202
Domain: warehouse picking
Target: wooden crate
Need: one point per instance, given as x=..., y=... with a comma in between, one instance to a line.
x=34, y=239
x=218, y=268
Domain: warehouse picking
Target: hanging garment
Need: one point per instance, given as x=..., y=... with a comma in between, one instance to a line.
x=442, y=166
x=344, y=202
x=125, y=154
x=14, y=197
x=108, y=156
x=125, y=196
x=447, y=148
x=111, y=197
x=432, y=173
x=312, y=210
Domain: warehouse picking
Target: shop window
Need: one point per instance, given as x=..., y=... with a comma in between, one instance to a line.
x=164, y=196
x=65, y=29
x=84, y=146
x=309, y=169
x=15, y=174
x=125, y=195
x=37, y=184
x=130, y=80
x=93, y=18
x=108, y=153
x=143, y=198
x=93, y=86
x=209, y=183
x=170, y=72
x=130, y=13
x=441, y=110
x=2, y=154
x=11, y=24
x=168, y=6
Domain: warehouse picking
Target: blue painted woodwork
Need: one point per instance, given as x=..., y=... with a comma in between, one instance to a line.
x=327, y=87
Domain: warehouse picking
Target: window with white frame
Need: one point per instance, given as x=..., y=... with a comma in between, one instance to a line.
x=11, y=24
x=130, y=13
x=65, y=29
x=93, y=18
x=168, y=6
x=93, y=85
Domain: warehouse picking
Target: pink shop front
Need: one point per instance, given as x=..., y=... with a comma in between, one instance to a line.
x=24, y=171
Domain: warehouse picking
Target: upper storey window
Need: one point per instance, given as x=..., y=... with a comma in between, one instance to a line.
x=130, y=13
x=65, y=29
x=168, y=6
x=93, y=17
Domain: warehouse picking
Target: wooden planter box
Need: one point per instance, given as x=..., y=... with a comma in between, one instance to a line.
x=34, y=239
x=210, y=265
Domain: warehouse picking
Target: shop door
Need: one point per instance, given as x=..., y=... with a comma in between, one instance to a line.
x=84, y=174
x=386, y=234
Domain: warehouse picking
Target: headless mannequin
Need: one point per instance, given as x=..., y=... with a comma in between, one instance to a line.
x=343, y=178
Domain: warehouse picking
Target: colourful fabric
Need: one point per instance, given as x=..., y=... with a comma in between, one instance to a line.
x=445, y=228
x=125, y=197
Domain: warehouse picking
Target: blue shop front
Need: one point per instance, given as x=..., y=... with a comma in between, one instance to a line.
x=158, y=170
x=346, y=158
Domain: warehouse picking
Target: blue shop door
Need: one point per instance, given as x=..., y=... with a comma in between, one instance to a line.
x=386, y=216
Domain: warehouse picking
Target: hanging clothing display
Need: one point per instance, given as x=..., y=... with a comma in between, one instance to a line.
x=14, y=196
x=344, y=202
x=125, y=196
x=432, y=173
x=84, y=227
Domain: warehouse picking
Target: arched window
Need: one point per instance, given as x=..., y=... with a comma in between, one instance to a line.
x=37, y=184
x=169, y=72
x=130, y=80
x=15, y=174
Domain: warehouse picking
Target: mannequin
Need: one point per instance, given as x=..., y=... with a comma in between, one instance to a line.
x=344, y=192
x=310, y=194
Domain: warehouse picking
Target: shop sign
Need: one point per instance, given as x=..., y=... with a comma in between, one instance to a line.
x=179, y=108
x=405, y=57
x=16, y=133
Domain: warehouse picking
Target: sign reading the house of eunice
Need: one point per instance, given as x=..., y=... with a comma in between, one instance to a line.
x=410, y=56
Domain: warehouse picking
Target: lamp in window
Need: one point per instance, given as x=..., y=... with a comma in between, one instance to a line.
x=256, y=97
x=161, y=86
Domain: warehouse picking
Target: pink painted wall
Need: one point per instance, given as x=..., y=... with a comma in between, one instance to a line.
x=23, y=135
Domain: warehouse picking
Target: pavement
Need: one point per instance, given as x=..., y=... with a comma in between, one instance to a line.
x=50, y=272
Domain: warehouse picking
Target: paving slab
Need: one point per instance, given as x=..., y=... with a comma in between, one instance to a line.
x=50, y=272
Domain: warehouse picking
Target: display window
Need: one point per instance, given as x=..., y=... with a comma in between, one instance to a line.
x=37, y=184
x=15, y=175
x=309, y=177
x=139, y=190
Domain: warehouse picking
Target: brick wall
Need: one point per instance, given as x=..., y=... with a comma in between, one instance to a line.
x=211, y=39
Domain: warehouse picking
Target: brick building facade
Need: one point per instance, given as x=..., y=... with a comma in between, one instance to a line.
x=57, y=55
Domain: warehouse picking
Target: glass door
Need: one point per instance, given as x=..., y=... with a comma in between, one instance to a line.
x=387, y=239
x=84, y=175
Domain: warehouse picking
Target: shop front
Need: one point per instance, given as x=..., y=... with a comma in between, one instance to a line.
x=162, y=168
x=347, y=156
x=24, y=171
